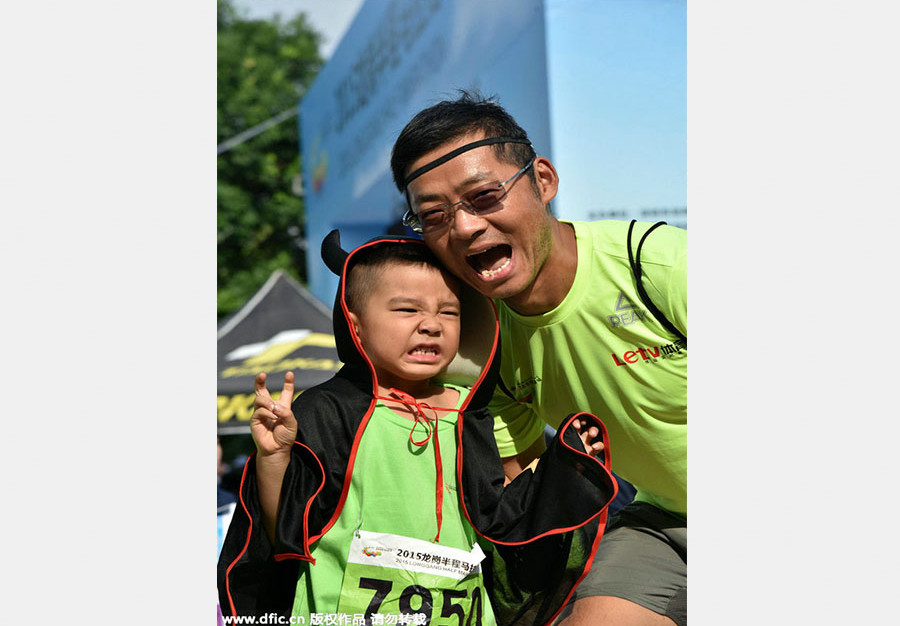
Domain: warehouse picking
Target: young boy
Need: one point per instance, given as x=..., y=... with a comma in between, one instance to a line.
x=364, y=523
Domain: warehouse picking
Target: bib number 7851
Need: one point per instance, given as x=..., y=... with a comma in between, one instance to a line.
x=418, y=599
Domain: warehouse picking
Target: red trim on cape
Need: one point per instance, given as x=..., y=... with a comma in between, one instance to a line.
x=246, y=543
x=556, y=531
x=307, y=555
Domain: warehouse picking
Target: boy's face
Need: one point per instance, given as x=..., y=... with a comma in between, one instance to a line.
x=409, y=325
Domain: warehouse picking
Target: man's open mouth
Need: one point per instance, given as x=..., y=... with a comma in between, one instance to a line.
x=491, y=261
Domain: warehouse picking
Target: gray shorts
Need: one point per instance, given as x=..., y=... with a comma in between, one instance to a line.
x=642, y=558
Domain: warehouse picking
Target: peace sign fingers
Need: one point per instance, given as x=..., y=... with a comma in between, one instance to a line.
x=272, y=424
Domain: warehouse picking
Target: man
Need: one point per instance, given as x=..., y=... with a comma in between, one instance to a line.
x=576, y=336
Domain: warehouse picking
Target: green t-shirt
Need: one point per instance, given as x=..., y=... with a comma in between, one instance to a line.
x=601, y=352
x=379, y=555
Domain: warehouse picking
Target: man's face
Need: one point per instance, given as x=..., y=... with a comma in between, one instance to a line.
x=500, y=253
x=409, y=324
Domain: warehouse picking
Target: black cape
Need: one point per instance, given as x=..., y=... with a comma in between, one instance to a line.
x=544, y=526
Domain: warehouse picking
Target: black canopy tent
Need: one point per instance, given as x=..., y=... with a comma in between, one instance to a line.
x=282, y=327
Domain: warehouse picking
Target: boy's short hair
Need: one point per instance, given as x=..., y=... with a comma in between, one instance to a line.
x=368, y=264
x=445, y=121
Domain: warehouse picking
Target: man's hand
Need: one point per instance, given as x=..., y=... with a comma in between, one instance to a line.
x=590, y=437
x=272, y=424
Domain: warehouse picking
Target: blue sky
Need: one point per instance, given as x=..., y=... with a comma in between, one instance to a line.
x=331, y=18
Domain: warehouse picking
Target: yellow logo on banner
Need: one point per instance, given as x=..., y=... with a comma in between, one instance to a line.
x=272, y=356
x=280, y=350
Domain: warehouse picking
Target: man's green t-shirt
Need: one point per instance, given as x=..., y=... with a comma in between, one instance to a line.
x=380, y=556
x=601, y=351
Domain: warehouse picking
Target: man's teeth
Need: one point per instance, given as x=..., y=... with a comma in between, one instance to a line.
x=424, y=351
x=488, y=273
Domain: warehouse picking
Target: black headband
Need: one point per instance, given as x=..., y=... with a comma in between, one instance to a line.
x=469, y=146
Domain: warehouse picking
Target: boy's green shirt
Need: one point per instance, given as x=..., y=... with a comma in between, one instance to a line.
x=392, y=492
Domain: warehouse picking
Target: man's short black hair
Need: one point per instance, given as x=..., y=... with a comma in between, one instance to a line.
x=447, y=120
x=367, y=266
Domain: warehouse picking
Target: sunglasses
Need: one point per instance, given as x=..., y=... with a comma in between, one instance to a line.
x=478, y=201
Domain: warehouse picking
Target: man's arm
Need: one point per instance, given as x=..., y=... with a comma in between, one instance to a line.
x=518, y=432
x=514, y=465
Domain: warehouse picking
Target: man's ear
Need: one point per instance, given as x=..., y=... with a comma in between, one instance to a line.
x=547, y=178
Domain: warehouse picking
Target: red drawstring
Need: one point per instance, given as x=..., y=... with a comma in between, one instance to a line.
x=420, y=417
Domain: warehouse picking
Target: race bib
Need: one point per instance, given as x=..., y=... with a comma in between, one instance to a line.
x=392, y=579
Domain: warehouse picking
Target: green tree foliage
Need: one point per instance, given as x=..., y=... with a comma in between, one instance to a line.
x=264, y=68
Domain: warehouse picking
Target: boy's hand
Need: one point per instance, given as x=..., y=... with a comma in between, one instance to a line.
x=590, y=437
x=272, y=424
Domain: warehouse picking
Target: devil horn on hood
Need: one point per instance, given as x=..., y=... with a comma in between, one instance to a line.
x=332, y=253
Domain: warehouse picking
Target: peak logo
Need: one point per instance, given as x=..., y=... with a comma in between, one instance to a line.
x=627, y=312
x=650, y=355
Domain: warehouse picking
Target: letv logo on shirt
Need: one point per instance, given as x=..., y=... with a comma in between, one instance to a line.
x=650, y=355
